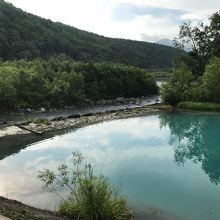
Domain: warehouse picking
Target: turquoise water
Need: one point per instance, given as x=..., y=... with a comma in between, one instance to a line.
x=167, y=162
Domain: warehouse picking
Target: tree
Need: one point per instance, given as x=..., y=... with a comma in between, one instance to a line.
x=215, y=35
x=176, y=90
x=211, y=79
x=203, y=40
x=8, y=87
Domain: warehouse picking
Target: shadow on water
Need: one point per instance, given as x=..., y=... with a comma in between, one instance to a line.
x=13, y=145
x=196, y=139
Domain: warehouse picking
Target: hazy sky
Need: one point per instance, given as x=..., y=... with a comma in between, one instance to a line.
x=147, y=20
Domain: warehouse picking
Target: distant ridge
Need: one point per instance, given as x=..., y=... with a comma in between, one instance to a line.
x=23, y=35
x=166, y=42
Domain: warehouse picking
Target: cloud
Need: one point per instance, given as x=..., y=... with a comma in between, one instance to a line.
x=150, y=38
x=130, y=19
x=127, y=12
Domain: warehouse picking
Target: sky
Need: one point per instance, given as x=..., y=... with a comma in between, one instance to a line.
x=145, y=20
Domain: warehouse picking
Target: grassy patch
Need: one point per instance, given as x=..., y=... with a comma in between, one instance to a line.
x=163, y=106
x=43, y=121
x=199, y=106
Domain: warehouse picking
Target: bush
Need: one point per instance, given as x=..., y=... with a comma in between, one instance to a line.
x=211, y=79
x=176, y=90
x=197, y=91
x=91, y=197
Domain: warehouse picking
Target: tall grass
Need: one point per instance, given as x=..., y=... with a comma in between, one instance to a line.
x=199, y=106
x=91, y=196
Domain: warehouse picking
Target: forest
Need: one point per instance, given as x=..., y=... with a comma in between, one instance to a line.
x=26, y=36
x=62, y=81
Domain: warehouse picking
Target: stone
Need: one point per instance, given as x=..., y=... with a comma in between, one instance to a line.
x=60, y=118
x=101, y=102
x=120, y=99
x=88, y=114
x=74, y=116
x=43, y=109
x=3, y=218
x=3, y=122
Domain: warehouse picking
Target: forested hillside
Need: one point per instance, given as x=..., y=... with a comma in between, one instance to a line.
x=23, y=35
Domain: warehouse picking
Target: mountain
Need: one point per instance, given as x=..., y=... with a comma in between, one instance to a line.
x=23, y=35
x=166, y=42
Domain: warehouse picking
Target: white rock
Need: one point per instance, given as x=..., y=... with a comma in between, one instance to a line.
x=43, y=110
x=12, y=130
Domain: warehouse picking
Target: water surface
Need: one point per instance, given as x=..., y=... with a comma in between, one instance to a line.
x=168, y=162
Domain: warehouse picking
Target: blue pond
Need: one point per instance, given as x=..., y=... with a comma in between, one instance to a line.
x=167, y=165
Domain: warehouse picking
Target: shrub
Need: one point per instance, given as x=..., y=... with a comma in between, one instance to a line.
x=197, y=91
x=176, y=90
x=211, y=79
x=91, y=197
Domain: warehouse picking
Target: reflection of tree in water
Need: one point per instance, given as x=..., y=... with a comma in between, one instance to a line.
x=196, y=137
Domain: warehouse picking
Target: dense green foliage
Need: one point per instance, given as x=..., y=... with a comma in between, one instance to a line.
x=203, y=40
x=176, y=89
x=183, y=86
x=212, y=79
x=91, y=197
x=199, y=106
x=23, y=35
x=62, y=81
x=199, y=80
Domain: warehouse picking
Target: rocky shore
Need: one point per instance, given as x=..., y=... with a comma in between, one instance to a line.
x=83, y=108
x=41, y=126
x=15, y=210
x=18, y=211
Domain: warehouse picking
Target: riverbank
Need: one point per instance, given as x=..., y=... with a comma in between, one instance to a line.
x=18, y=211
x=83, y=108
x=199, y=106
x=44, y=125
